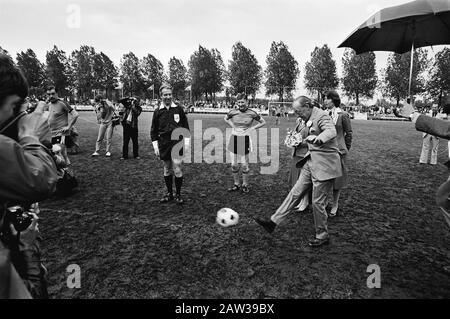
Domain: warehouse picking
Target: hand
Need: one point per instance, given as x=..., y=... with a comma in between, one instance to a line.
x=35, y=125
x=66, y=130
x=29, y=235
x=313, y=139
x=156, y=149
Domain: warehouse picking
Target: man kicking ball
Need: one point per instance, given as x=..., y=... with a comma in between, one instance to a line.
x=167, y=118
x=241, y=121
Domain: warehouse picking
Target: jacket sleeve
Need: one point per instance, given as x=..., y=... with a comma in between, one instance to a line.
x=433, y=126
x=155, y=126
x=184, y=119
x=28, y=171
x=137, y=110
x=327, y=127
x=348, y=133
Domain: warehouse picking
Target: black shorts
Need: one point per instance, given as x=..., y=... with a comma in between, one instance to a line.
x=239, y=145
x=165, y=150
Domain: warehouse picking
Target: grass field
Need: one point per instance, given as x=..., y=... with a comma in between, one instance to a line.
x=130, y=246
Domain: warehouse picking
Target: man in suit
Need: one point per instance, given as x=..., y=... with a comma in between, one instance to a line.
x=321, y=165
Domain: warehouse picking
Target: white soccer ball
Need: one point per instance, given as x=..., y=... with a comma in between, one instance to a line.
x=227, y=217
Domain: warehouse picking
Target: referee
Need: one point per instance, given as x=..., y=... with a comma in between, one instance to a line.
x=166, y=118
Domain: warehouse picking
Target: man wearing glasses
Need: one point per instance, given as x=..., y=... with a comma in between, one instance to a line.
x=58, y=120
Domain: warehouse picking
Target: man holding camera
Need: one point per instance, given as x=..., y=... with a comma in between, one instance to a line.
x=58, y=119
x=27, y=175
x=129, y=111
x=105, y=111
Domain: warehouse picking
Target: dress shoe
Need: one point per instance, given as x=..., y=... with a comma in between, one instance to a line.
x=268, y=225
x=316, y=242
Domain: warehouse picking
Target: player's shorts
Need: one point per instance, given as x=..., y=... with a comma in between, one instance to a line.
x=278, y=114
x=239, y=145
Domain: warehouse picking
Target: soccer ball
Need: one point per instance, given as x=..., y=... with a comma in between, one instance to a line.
x=227, y=217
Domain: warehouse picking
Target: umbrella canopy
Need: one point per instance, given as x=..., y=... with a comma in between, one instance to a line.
x=414, y=24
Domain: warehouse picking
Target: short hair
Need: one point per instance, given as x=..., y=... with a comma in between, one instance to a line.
x=305, y=101
x=166, y=86
x=240, y=96
x=12, y=80
x=334, y=96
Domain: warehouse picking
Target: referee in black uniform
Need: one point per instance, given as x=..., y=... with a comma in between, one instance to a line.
x=166, y=118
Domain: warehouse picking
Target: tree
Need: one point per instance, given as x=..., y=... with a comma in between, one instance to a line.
x=219, y=73
x=57, y=70
x=320, y=71
x=282, y=70
x=3, y=51
x=82, y=71
x=153, y=72
x=131, y=74
x=33, y=70
x=177, y=76
x=439, y=82
x=359, y=74
x=245, y=73
x=396, y=74
x=206, y=72
x=104, y=73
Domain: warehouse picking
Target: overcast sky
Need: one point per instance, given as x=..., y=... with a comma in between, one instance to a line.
x=167, y=28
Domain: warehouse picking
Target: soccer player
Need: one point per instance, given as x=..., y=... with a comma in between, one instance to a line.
x=58, y=120
x=167, y=118
x=241, y=121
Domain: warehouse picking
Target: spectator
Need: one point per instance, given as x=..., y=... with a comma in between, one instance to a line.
x=429, y=141
x=129, y=110
x=105, y=111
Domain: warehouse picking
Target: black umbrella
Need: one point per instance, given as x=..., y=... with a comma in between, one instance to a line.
x=402, y=28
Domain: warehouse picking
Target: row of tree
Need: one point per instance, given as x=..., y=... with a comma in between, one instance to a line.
x=85, y=71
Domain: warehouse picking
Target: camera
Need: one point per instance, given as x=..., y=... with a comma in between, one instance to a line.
x=18, y=217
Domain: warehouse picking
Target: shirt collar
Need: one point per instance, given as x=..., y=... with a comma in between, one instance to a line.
x=163, y=106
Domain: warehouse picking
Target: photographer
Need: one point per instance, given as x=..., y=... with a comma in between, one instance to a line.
x=129, y=111
x=105, y=111
x=28, y=175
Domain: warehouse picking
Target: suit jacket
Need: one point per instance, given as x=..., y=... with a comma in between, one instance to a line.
x=325, y=159
x=433, y=126
x=302, y=149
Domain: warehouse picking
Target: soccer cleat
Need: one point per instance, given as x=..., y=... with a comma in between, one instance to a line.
x=268, y=225
x=95, y=154
x=178, y=199
x=234, y=188
x=167, y=198
x=108, y=154
x=245, y=189
x=137, y=157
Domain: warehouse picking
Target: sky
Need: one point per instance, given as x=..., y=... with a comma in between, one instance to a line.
x=175, y=28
